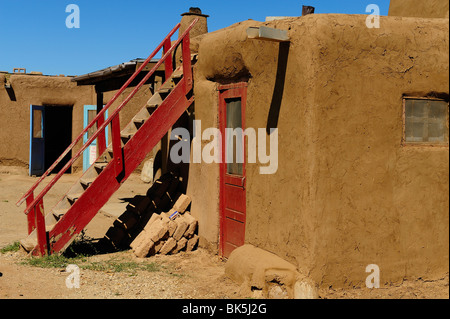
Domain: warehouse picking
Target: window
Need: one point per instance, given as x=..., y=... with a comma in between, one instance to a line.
x=425, y=121
x=38, y=124
x=91, y=115
x=234, y=148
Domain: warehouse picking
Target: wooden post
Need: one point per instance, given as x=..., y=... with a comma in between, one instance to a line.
x=101, y=140
x=38, y=212
x=117, y=145
x=187, y=68
x=30, y=217
x=168, y=62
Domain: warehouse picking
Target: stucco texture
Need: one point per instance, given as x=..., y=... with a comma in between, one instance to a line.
x=347, y=193
x=417, y=8
x=15, y=112
x=55, y=91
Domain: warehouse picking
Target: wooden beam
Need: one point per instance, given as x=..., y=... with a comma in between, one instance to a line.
x=268, y=34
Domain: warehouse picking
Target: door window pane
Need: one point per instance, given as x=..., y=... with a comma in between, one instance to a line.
x=91, y=115
x=234, y=148
x=38, y=131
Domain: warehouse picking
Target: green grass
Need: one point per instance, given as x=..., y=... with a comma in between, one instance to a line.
x=10, y=248
x=81, y=252
x=52, y=261
x=111, y=265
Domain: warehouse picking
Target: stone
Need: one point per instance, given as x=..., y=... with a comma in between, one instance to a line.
x=158, y=229
x=191, y=243
x=182, y=226
x=138, y=240
x=182, y=203
x=168, y=246
x=172, y=227
x=160, y=244
x=192, y=224
x=180, y=245
x=152, y=219
x=143, y=249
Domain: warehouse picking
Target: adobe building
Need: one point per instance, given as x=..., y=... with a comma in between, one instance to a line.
x=363, y=158
x=69, y=104
x=362, y=170
x=63, y=103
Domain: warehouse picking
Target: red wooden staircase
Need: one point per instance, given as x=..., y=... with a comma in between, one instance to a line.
x=53, y=232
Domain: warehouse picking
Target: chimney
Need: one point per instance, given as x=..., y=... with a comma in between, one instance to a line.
x=201, y=27
x=307, y=10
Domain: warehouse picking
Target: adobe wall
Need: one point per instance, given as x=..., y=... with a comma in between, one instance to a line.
x=15, y=115
x=378, y=202
x=418, y=8
x=346, y=193
x=51, y=90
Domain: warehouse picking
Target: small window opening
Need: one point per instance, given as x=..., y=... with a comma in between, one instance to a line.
x=426, y=121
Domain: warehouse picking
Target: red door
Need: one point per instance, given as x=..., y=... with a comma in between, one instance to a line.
x=232, y=99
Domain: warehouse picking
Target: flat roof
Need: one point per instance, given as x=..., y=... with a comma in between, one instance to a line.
x=112, y=78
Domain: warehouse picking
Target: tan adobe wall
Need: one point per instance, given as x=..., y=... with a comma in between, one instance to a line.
x=419, y=8
x=51, y=90
x=346, y=193
x=15, y=115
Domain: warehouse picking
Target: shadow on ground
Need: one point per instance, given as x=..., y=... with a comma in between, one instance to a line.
x=159, y=198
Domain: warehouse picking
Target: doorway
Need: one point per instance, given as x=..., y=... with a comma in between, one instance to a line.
x=232, y=101
x=50, y=135
x=91, y=153
x=58, y=126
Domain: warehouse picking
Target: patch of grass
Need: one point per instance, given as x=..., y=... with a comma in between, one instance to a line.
x=80, y=253
x=115, y=265
x=53, y=261
x=111, y=265
x=10, y=248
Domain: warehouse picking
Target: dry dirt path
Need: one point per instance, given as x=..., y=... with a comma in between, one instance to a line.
x=193, y=275
x=196, y=274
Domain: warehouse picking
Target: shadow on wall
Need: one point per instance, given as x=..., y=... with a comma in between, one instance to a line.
x=277, y=96
x=11, y=94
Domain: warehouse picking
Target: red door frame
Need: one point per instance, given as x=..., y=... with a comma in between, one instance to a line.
x=230, y=91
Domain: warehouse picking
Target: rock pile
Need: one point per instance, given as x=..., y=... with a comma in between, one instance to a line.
x=168, y=233
x=158, y=222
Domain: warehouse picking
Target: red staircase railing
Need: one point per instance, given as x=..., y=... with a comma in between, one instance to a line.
x=35, y=205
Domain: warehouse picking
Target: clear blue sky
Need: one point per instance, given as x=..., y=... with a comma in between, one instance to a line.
x=33, y=33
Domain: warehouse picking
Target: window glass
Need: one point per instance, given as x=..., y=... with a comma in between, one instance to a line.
x=234, y=148
x=37, y=124
x=426, y=121
x=91, y=115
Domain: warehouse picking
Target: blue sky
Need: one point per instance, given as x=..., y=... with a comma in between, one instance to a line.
x=33, y=34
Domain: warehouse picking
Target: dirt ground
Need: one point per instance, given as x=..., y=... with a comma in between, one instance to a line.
x=187, y=275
